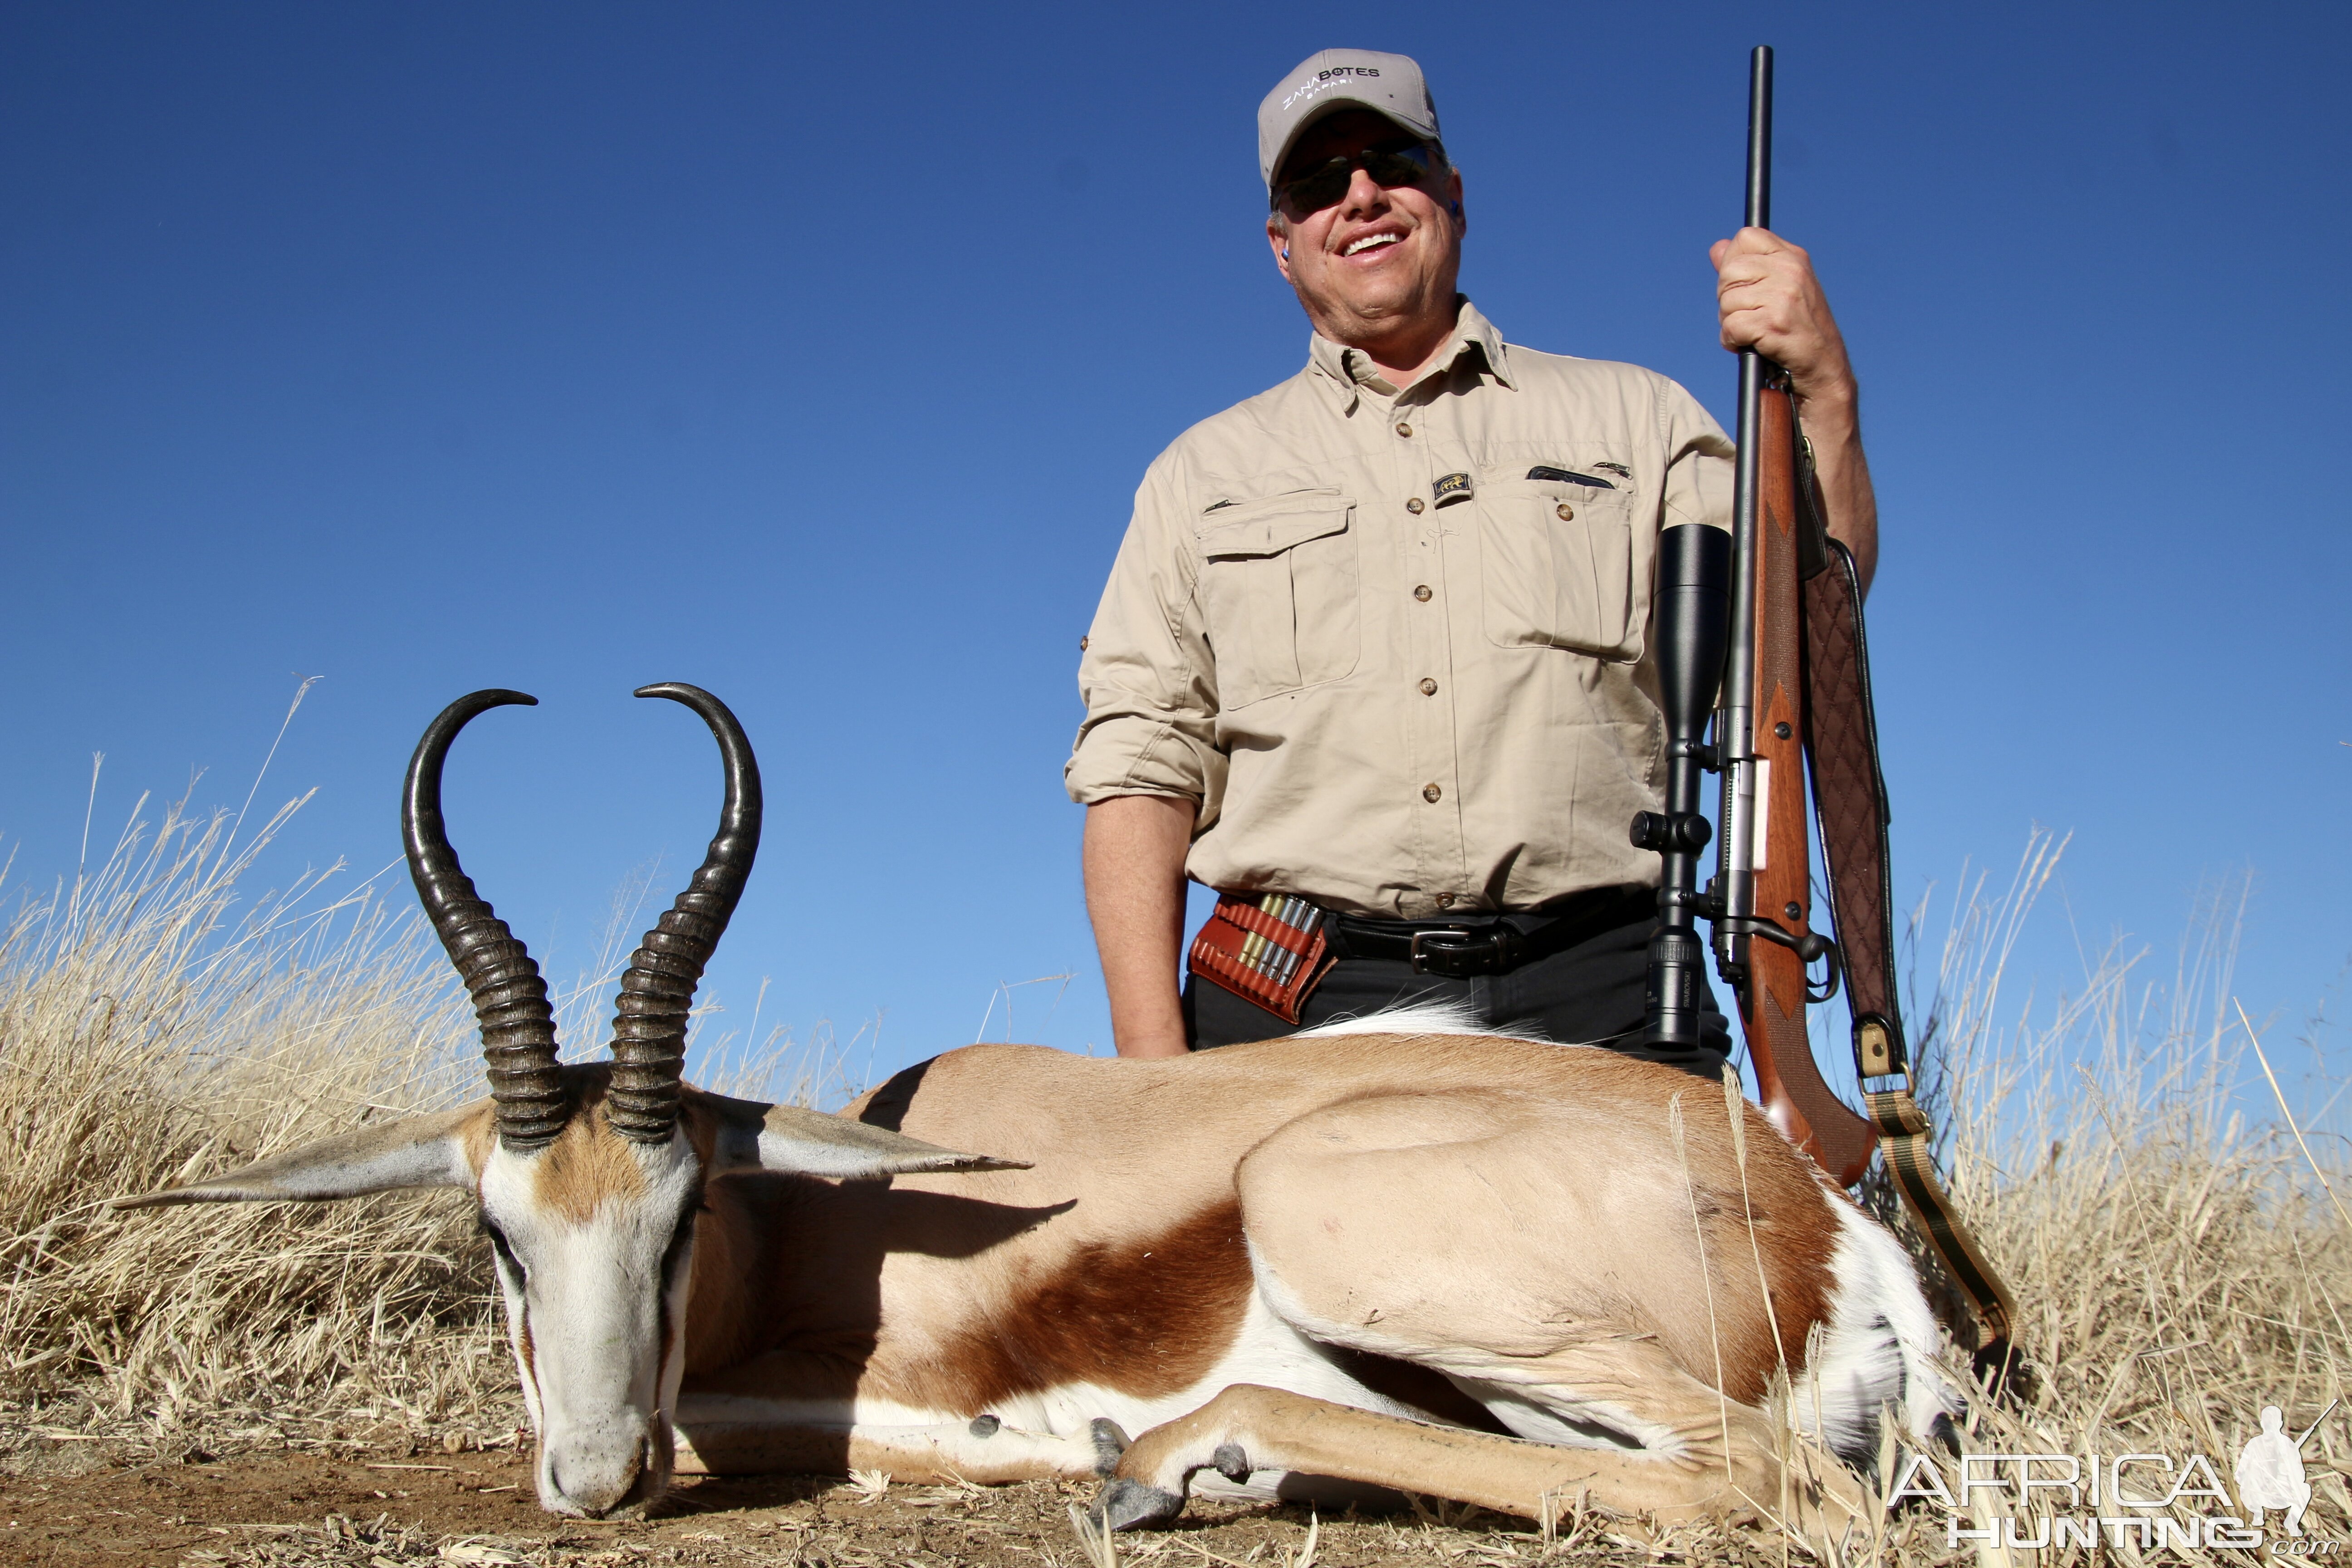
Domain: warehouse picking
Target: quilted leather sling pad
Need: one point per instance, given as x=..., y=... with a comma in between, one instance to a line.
x=1849, y=797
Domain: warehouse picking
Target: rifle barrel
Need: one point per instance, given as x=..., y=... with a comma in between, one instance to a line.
x=1735, y=731
x=1759, y=137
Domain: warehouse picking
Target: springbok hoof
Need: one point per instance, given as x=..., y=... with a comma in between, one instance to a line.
x=1131, y=1505
x=1109, y=1444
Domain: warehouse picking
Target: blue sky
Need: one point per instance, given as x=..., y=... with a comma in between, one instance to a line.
x=812, y=357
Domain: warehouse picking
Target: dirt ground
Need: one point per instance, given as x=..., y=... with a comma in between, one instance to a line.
x=72, y=1500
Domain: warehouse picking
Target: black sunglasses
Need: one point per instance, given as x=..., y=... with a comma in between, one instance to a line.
x=1408, y=164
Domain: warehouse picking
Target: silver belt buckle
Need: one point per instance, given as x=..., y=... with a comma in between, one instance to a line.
x=1414, y=951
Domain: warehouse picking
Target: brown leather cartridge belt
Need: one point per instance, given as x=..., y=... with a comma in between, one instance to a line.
x=1468, y=945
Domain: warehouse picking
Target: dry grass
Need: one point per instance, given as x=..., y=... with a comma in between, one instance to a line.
x=2176, y=1254
x=2173, y=1240
x=158, y=1022
x=149, y=1034
x=2164, y=1195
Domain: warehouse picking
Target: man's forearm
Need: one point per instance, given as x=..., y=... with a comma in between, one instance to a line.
x=1135, y=848
x=1832, y=425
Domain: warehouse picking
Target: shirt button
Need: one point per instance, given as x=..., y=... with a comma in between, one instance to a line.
x=1429, y=793
x=1445, y=900
x=1422, y=592
x=1082, y=644
x=1413, y=506
x=1404, y=429
x=1429, y=688
x=1567, y=513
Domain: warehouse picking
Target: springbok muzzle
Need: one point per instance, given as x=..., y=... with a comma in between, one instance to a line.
x=597, y=1480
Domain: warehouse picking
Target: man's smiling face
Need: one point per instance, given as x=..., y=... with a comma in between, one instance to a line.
x=1376, y=268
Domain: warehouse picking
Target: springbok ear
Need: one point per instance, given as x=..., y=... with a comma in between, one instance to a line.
x=786, y=1138
x=414, y=1152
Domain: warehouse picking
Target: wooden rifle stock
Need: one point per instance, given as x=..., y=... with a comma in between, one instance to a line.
x=1773, y=997
x=1764, y=875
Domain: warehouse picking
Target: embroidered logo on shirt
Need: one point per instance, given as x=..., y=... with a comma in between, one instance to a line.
x=1453, y=486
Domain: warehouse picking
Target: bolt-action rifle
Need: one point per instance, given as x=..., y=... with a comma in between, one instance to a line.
x=1764, y=629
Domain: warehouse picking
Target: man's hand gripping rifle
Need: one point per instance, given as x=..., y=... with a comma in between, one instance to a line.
x=1765, y=629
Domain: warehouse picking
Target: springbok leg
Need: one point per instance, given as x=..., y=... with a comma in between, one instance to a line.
x=984, y=1451
x=1249, y=1427
x=1412, y=1227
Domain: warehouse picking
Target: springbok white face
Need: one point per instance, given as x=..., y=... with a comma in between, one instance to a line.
x=593, y=1236
x=588, y=1178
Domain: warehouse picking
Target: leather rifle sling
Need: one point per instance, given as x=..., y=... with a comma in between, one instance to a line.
x=1850, y=795
x=1787, y=1080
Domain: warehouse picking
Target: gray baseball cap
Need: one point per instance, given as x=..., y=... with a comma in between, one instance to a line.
x=1332, y=78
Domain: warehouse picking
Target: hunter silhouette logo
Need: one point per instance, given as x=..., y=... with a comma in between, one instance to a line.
x=2153, y=1502
x=2270, y=1470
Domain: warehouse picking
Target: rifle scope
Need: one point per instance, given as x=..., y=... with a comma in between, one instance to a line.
x=1693, y=623
x=1703, y=620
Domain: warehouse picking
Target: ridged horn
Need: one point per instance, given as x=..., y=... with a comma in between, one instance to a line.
x=657, y=991
x=510, y=997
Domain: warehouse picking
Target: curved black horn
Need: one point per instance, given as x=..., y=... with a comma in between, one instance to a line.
x=657, y=991
x=510, y=997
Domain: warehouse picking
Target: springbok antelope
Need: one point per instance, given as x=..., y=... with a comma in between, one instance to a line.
x=1494, y=1269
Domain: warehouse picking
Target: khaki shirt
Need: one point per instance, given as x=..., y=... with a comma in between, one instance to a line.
x=1400, y=677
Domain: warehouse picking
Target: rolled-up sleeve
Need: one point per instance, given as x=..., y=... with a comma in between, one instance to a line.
x=1146, y=677
x=1698, y=460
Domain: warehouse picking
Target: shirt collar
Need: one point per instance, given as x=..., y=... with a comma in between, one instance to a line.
x=1472, y=328
x=1346, y=373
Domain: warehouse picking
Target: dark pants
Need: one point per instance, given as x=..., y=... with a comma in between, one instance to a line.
x=1590, y=993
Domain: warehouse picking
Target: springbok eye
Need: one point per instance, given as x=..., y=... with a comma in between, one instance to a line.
x=679, y=1240
x=499, y=1242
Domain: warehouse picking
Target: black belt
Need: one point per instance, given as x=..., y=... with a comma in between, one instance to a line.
x=1492, y=945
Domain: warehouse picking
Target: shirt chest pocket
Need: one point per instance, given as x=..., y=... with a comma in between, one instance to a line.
x=1279, y=590
x=1557, y=564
